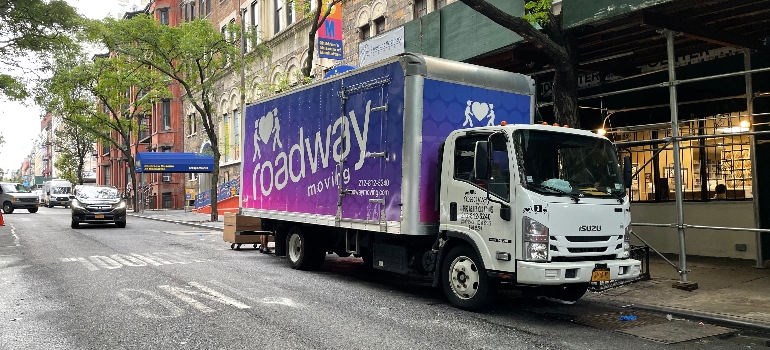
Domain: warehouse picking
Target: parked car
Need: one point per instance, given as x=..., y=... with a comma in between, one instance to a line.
x=17, y=196
x=97, y=205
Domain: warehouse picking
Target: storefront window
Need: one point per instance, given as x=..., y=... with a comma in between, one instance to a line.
x=718, y=167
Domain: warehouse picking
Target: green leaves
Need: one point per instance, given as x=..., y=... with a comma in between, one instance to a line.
x=33, y=31
x=536, y=11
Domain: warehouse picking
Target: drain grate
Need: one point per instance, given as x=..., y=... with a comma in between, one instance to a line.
x=610, y=321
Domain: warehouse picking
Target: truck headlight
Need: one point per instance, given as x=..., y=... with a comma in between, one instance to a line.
x=536, y=251
x=627, y=243
x=535, y=240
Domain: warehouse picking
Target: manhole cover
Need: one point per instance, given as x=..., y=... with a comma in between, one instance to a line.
x=676, y=331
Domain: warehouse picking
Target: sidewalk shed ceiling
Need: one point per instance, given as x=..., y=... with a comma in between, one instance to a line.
x=627, y=42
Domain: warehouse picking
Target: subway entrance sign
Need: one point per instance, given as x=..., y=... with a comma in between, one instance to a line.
x=171, y=162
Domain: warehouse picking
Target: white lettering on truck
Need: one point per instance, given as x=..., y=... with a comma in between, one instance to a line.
x=275, y=175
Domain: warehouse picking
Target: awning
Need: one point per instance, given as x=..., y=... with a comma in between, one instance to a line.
x=170, y=162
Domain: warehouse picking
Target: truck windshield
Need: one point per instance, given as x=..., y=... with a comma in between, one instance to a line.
x=567, y=164
x=60, y=190
x=15, y=188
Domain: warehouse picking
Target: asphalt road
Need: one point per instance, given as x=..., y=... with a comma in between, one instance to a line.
x=157, y=285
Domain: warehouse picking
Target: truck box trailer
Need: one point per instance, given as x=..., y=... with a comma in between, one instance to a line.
x=423, y=165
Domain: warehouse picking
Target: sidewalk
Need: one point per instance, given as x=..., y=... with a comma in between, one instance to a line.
x=731, y=292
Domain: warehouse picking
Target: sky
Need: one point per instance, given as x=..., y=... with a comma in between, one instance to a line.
x=20, y=122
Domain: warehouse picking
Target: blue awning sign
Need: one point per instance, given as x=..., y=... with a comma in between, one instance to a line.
x=171, y=162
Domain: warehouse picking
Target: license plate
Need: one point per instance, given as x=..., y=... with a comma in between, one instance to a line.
x=99, y=216
x=600, y=275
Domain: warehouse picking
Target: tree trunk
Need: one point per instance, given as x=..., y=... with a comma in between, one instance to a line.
x=565, y=97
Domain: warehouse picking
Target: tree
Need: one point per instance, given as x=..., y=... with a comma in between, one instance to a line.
x=195, y=55
x=2, y=140
x=553, y=41
x=31, y=27
x=105, y=98
x=327, y=6
x=75, y=144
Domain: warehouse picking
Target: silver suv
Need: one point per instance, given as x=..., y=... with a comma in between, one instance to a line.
x=17, y=196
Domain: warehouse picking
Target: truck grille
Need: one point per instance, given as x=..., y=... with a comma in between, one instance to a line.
x=588, y=250
x=588, y=238
x=31, y=200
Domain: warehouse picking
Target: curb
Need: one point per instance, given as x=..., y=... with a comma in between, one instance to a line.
x=693, y=315
x=186, y=223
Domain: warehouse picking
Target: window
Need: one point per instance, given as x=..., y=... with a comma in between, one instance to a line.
x=143, y=127
x=236, y=135
x=365, y=32
x=500, y=175
x=208, y=7
x=226, y=134
x=289, y=14
x=202, y=8
x=379, y=26
x=192, y=126
x=278, y=15
x=163, y=16
x=255, y=21
x=166, y=176
x=420, y=8
x=192, y=11
x=106, y=175
x=465, y=149
x=166, y=113
x=187, y=12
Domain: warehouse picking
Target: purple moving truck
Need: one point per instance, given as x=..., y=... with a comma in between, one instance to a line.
x=416, y=164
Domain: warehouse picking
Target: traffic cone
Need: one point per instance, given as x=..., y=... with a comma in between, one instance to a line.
x=2, y=222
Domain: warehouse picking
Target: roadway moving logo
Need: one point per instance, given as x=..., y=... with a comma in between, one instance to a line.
x=275, y=174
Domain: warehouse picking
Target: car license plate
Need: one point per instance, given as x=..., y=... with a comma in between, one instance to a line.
x=600, y=275
x=99, y=216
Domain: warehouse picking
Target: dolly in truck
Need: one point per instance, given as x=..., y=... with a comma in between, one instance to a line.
x=423, y=165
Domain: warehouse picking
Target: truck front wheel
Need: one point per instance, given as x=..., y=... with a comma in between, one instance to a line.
x=301, y=252
x=466, y=283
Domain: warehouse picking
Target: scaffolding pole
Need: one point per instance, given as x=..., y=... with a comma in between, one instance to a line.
x=683, y=282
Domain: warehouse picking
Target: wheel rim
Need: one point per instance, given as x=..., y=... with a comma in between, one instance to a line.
x=295, y=247
x=464, y=277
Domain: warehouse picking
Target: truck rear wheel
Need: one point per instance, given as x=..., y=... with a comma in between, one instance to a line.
x=466, y=283
x=302, y=253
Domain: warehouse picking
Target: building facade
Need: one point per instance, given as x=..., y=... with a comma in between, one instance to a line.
x=159, y=131
x=284, y=31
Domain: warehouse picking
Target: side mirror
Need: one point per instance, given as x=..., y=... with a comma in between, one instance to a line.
x=481, y=161
x=628, y=173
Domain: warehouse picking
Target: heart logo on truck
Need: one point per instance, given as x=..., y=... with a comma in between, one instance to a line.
x=480, y=110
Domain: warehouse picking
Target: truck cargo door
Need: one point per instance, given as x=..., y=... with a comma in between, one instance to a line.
x=363, y=188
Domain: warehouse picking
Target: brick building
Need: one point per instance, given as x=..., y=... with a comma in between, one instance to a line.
x=162, y=131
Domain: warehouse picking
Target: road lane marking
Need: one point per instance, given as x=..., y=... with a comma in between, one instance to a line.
x=186, y=295
x=86, y=263
x=116, y=261
x=105, y=262
x=146, y=308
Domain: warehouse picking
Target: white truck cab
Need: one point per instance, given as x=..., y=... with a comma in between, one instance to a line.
x=543, y=205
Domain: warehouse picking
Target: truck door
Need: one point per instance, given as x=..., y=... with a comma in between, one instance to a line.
x=471, y=210
x=363, y=188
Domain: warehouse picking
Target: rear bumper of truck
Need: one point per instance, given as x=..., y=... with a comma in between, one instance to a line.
x=573, y=272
